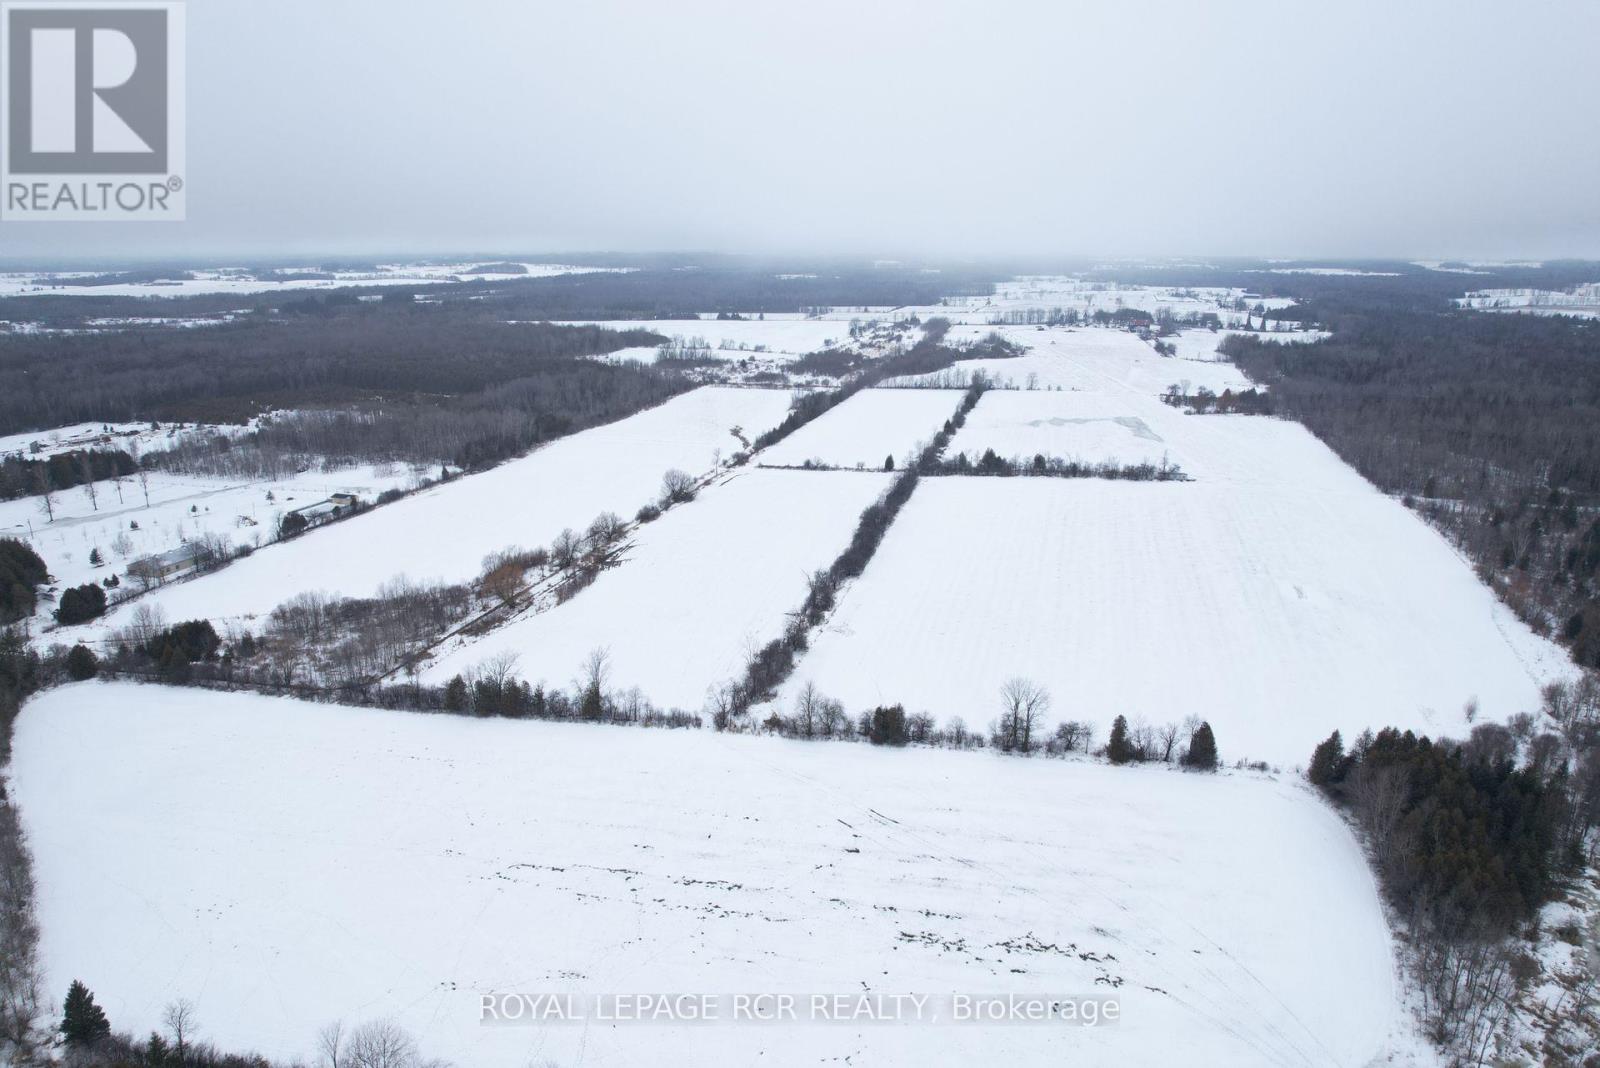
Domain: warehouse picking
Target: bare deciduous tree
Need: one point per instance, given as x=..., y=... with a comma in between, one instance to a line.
x=503, y=582
x=1167, y=739
x=1023, y=705
x=606, y=528
x=592, y=681
x=957, y=732
x=676, y=487
x=564, y=550
x=499, y=669
x=330, y=1044
x=380, y=1044
x=834, y=722
x=808, y=711
x=179, y=1020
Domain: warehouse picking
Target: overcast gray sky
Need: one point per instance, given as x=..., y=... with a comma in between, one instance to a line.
x=1139, y=127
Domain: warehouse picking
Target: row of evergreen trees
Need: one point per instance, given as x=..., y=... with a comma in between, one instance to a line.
x=21, y=573
x=1468, y=840
x=1463, y=829
x=24, y=477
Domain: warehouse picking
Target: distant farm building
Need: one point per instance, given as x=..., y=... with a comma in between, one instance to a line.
x=301, y=519
x=153, y=570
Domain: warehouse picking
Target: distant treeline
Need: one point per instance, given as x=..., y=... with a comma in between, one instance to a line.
x=1329, y=298
x=667, y=288
x=23, y=477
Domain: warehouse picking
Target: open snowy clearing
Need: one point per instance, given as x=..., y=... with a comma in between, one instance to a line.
x=1202, y=344
x=698, y=589
x=1582, y=300
x=1092, y=358
x=1278, y=609
x=1042, y=294
x=867, y=428
x=1065, y=424
x=134, y=438
x=733, y=339
x=445, y=532
x=358, y=864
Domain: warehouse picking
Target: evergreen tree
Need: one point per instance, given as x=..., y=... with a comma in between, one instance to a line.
x=81, y=604
x=82, y=663
x=887, y=726
x=888, y=462
x=1202, y=754
x=1327, y=761
x=593, y=704
x=82, y=1021
x=1118, y=749
x=174, y=666
x=21, y=570
x=455, y=695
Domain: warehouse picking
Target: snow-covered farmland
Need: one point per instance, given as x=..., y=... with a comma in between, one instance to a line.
x=1202, y=344
x=698, y=589
x=867, y=428
x=1582, y=300
x=1038, y=295
x=445, y=532
x=1279, y=596
x=181, y=509
x=135, y=438
x=1074, y=425
x=733, y=339
x=1091, y=358
x=355, y=864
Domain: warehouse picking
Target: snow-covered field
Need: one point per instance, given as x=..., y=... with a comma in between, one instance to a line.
x=699, y=588
x=356, y=864
x=1091, y=358
x=1279, y=595
x=133, y=438
x=446, y=531
x=732, y=339
x=182, y=509
x=1075, y=425
x=1581, y=300
x=244, y=281
x=1035, y=294
x=868, y=428
x=1202, y=344
x=1276, y=610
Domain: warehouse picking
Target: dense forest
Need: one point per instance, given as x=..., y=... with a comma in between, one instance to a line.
x=341, y=353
